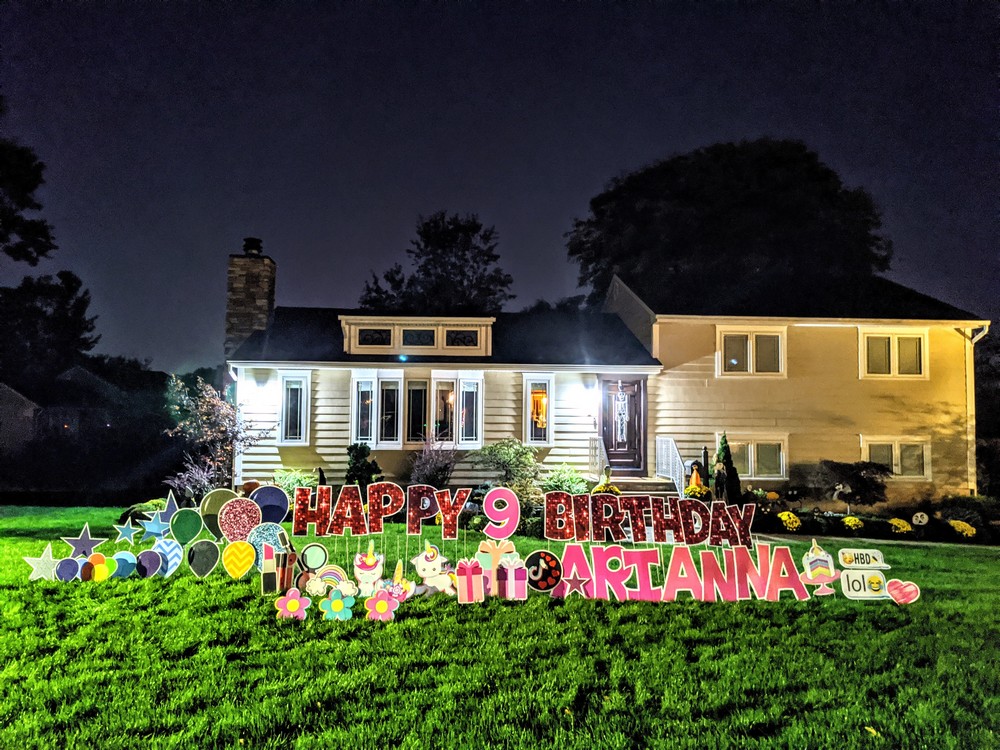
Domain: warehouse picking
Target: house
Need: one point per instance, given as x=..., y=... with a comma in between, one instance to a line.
x=17, y=420
x=883, y=374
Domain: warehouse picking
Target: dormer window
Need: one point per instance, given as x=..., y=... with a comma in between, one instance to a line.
x=455, y=337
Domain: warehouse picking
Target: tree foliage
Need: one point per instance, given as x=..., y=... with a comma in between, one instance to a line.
x=212, y=427
x=455, y=271
x=729, y=211
x=44, y=327
x=23, y=237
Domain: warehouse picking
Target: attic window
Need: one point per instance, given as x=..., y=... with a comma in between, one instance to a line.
x=418, y=337
x=461, y=337
x=374, y=337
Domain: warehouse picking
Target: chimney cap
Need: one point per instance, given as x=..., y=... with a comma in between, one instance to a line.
x=253, y=246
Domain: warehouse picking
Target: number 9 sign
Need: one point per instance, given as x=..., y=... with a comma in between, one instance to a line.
x=503, y=509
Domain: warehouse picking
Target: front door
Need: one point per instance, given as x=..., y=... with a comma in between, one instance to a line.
x=623, y=425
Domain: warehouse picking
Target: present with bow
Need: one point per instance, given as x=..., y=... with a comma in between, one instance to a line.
x=512, y=579
x=490, y=553
x=470, y=583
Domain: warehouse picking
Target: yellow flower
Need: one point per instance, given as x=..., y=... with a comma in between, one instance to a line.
x=899, y=526
x=852, y=523
x=790, y=520
x=696, y=491
x=966, y=530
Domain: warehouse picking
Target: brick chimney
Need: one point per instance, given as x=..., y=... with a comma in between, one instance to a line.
x=249, y=293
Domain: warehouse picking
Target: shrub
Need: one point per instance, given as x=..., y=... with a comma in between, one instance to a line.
x=433, y=465
x=360, y=470
x=852, y=523
x=698, y=492
x=512, y=461
x=478, y=523
x=565, y=479
x=899, y=526
x=962, y=528
x=142, y=511
x=199, y=476
x=790, y=521
x=289, y=479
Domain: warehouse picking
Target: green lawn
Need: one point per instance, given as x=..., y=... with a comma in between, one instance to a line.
x=182, y=662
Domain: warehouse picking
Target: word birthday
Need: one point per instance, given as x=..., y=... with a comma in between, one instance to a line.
x=582, y=518
x=598, y=560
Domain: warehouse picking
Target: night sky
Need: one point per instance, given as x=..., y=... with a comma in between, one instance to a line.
x=172, y=131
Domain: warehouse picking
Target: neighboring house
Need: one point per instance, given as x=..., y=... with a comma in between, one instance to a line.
x=17, y=420
x=637, y=387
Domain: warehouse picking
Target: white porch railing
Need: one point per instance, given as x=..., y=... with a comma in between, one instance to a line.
x=669, y=463
x=598, y=458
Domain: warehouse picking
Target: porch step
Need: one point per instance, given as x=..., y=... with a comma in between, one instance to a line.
x=647, y=485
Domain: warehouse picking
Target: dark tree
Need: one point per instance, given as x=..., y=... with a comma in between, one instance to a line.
x=455, y=272
x=727, y=479
x=22, y=237
x=729, y=211
x=44, y=327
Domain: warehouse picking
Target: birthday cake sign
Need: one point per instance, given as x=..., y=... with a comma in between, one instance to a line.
x=690, y=549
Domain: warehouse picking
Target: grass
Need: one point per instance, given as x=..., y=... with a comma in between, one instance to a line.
x=182, y=662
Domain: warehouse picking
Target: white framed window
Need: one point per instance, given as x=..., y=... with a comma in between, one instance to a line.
x=377, y=408
x=892, y=353
x=539, y=400
x=416, y=421
x=457, y=407
x=761, y=456
x=293, y=421
x=757, y=351
x=909, y=458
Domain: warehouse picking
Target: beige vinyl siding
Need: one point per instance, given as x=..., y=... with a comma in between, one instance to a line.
x=330, y=433
x=821, y=404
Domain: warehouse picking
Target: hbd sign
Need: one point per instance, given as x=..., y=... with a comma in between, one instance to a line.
x=599, y=559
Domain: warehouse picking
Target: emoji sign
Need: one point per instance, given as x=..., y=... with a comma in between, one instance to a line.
x=858, y=559
x=863, y=584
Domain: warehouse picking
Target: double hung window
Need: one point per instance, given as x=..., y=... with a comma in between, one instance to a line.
x=293, y=420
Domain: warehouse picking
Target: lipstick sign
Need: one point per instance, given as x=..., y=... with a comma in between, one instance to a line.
x=604, y=546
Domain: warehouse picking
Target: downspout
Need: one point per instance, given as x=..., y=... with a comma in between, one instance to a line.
x=971, y=338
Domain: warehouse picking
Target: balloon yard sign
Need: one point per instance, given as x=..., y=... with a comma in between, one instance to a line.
x=627, y=548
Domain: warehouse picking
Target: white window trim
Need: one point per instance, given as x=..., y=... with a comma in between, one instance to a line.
x=893, y=334
x=458, y=377
x=549, y=379
x=751, y=332
x=896, y=441
x=286, y=375
x=377, y=377
x=752, y=438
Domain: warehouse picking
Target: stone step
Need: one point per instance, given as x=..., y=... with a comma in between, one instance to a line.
x=653, y=485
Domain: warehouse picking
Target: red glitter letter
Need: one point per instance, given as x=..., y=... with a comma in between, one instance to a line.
x=305, y=514
x=378, y=509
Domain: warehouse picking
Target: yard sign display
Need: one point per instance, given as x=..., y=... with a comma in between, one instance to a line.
x=625, y=548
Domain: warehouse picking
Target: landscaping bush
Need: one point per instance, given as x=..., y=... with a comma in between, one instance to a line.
x=515, y=466
x=142, y=511
x=433, y=464
x=565, y=479
x=289, y=479
x=361, y=470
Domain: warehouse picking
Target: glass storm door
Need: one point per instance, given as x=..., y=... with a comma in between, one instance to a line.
x=623, y=418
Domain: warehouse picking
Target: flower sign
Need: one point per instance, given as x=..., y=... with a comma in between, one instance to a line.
x=604, y=546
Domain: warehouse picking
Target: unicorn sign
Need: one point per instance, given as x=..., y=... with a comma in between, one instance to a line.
x=603, y=546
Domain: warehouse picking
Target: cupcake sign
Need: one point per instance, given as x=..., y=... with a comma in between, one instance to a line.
x=635, y=548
